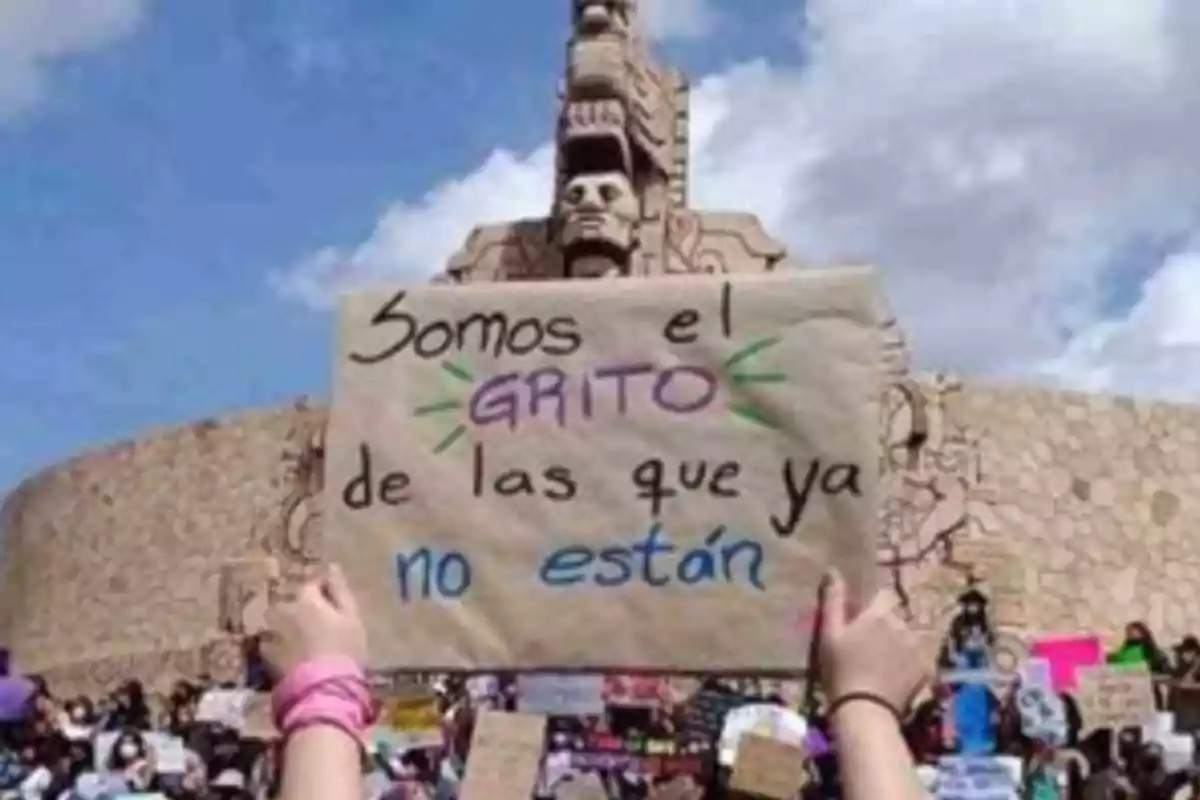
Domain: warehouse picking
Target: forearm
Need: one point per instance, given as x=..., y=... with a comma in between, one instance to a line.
x=321, y=762
x=873, y=759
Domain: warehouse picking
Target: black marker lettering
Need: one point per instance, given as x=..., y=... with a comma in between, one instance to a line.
x=680, y=329
x=390, y=313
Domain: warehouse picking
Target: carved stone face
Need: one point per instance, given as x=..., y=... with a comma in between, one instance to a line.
x=600, y=16
x=599, y=208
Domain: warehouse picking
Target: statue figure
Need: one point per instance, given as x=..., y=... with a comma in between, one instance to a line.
x=619, y=206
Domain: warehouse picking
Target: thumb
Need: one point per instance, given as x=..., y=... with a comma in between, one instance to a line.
x=832, y=603
x=337, y=589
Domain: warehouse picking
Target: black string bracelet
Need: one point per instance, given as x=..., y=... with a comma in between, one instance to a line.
x=865, y=697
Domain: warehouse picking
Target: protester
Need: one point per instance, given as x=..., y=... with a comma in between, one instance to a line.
x=104, y=748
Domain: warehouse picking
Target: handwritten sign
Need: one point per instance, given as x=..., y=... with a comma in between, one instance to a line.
x=601, y=474
x=1115, y=696
x=506, y=754
x=767, y=767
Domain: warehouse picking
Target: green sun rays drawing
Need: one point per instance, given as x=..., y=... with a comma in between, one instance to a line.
x=733, y=370
x=737, y=371
x=450, y=404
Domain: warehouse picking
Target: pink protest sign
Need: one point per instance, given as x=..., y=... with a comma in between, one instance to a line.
x=1066, y=654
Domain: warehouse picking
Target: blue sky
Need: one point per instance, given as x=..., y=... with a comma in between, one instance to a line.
x=184, y=185
x=147, y=196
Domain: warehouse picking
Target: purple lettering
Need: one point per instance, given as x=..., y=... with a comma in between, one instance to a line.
x=496, y=400
x=546, y=383
x=621, y=372
x=703, y=400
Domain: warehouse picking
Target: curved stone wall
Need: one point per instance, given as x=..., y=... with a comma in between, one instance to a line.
x=113, y=559
x=1080, y=512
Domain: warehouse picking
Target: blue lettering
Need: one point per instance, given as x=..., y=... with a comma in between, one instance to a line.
x=619, y=558
x=445, y=575
x=731, y=551
x=562, y=567
x=457, y=562
x=655, y=561
x=649, y=547
x=698, y=566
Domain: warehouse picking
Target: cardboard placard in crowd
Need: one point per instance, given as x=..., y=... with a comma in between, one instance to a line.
x=1115, y=696
x=561, y=694
x=766, y=767
x=601, y=474
x=506, y=754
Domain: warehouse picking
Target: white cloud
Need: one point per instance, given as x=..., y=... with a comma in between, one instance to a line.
x=34, y=33
x=1154, y=348
x=993, y=158
x=677, y=19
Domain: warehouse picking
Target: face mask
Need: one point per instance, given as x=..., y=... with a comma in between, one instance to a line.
x=128, y=751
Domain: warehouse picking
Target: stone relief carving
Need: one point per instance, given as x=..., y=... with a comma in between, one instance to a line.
x=938, y=515
x=514, y=251
x=295, y=538
x=245, y=591
x=720, y=244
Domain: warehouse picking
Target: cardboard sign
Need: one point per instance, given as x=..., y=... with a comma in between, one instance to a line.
x=599, y=474
x=506, y=754
x=1115, y=696
x=766, y=767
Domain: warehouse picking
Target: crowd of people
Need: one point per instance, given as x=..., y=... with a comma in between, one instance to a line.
x=56, y=747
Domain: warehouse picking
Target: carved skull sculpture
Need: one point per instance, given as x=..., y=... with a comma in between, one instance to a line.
x=599, y=208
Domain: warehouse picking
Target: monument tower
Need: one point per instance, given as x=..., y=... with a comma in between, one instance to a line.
x=619, y=206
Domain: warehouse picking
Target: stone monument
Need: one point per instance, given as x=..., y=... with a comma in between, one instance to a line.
x=620, y=191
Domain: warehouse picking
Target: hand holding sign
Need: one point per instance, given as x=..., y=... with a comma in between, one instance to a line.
x=876, y=653
x=599, y=474
x=323, y=620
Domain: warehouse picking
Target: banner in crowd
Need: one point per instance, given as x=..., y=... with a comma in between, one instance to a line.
x=601, y=474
